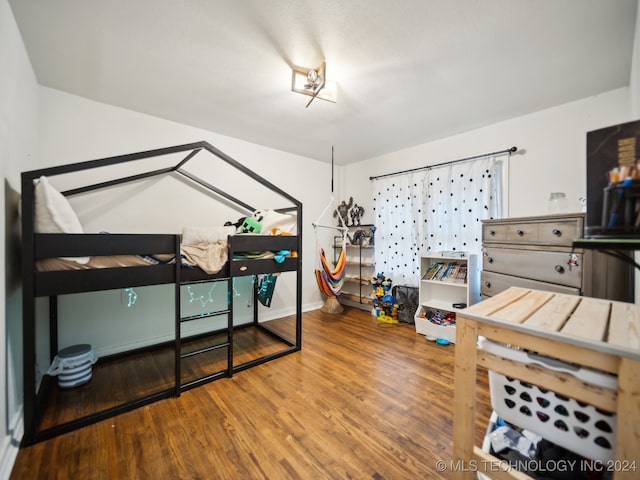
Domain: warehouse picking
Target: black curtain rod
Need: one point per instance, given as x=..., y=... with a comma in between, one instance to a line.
x=429, y=167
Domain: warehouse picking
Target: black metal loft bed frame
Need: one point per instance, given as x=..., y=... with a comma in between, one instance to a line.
x=53, y=283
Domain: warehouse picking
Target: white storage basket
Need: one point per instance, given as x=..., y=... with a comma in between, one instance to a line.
x=73, y=365
x=574, y=425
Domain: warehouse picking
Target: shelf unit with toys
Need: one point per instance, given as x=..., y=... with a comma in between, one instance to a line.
x=449, y=281
x=360, y=266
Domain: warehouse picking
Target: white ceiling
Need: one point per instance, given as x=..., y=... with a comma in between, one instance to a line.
x=409, y=71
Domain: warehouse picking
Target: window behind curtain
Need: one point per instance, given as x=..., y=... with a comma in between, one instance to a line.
x=440, y=209
x=398, y=205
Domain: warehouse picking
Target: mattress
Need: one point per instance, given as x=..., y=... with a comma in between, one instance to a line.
x=112, y=261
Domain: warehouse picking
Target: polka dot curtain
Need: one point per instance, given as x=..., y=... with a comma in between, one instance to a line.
x=431, y=211
x=398, y=205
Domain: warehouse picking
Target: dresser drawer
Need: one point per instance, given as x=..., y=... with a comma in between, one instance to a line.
x=561, y=233
x=540, y=265
x=510, y=232
x=493, y=283
x=556, y=231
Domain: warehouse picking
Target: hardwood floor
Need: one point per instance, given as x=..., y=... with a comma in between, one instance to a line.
x=361, y=400
x=136, y=375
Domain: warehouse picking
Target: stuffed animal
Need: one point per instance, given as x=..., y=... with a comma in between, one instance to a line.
x=238, y=224
x=250, y=225
x=246, y=225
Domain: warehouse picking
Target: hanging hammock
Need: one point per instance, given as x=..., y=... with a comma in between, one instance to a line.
x=330, y=279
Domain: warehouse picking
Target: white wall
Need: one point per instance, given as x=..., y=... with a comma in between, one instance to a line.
x=18, y=150
x=552, y=156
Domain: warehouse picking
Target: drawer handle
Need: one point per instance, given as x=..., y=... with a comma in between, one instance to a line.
x=490, y=259
x=520, y=232
x=492, y=232
x=557, y=232
x=559, y=268
x=487, y=284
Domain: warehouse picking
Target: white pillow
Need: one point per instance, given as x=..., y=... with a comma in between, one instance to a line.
x=54, y=213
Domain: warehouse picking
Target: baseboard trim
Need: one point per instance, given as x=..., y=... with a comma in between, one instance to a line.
x=10, y=445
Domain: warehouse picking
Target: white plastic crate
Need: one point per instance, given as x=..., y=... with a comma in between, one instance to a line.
x=574, y=425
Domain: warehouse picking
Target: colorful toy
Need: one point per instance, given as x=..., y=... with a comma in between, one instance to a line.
x=237, y=224
x=438, y=317
x=385, y=306
x=250, y=225
x=280, y=255
x=381, y=285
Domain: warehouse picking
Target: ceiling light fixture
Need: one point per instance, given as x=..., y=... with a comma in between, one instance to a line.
x=313, y=83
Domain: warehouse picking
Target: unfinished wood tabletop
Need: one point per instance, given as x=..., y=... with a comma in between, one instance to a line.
x=603, y=325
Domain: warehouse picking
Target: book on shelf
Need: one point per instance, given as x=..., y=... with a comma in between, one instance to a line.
x=432, y=270
x=461, y=275
x=446, y=272
x=452, y=272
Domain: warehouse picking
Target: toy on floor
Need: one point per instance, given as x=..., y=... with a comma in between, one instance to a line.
x=385, y=306
x=381, y=285
x=439, y=317
x=388, y=309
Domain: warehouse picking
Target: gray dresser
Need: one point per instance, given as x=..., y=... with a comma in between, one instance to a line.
x=537, y=252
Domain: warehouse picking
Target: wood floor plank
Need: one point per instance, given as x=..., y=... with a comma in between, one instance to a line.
x=361, y=400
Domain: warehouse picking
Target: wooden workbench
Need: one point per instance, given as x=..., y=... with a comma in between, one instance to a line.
x=590, y=332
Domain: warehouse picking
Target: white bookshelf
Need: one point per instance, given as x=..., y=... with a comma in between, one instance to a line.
x=457, y=281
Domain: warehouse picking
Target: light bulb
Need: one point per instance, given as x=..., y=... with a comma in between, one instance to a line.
x=312, y=76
